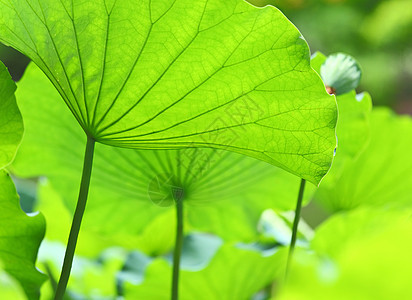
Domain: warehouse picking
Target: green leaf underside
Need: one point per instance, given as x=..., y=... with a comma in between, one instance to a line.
x=20, y=237
x=233, y=273
x=172, y=74
x=220, y=188
x=11, y=124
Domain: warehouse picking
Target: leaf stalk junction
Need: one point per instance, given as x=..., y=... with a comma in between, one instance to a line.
x=77, y=219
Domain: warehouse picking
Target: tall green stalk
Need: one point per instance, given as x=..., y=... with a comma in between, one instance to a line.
x=178, y=247
x=295, y=223
x=77, y=219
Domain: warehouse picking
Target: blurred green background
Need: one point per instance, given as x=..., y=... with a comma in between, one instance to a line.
x=377, y=33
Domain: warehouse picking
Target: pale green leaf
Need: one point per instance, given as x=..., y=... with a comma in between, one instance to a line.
x=381, y=174
x=225, y=193
x=11, y=124
x=353, y=133
x=353, y=125
x=177, y=73
x=362, y=254
x=20, y=237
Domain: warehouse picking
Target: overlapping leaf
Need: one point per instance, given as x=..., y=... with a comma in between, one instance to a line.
x=380, y=175
x=11, y=125
x=177, y=73
x=353, y=132
x=225, y=193
x=20, y=235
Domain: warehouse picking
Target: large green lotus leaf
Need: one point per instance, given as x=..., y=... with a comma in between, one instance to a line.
x=380, y=175
x=225, y=192
x=11, y=124
x=20, y=237
x=233, y=273
x=362, y=254
x=177, y=73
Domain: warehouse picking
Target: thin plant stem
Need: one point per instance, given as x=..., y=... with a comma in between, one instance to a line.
x=52, y=280
x=295, y=224
x=77, y=219
x=178, y=247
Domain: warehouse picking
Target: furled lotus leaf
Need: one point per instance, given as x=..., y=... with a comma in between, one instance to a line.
x=341, y=73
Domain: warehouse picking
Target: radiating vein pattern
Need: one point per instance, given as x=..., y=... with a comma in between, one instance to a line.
x=127, y=182
x=177, y=73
